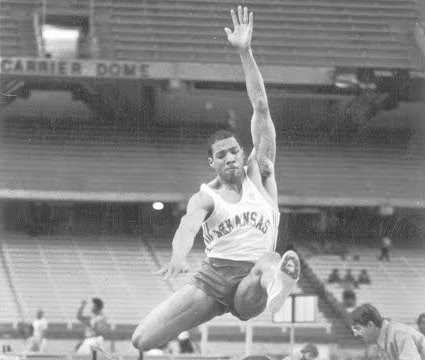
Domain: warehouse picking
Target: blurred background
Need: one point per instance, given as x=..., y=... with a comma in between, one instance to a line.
x=105, y=110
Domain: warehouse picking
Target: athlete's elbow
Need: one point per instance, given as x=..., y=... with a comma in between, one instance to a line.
x=261, y=105
x=266, y=167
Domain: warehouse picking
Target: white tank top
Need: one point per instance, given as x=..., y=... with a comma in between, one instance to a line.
x=243, y=231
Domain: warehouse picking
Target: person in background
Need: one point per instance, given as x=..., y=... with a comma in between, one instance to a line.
x=349, y=280
x=96, y=326
x=308, y=352
x=385, y=248
x=185, y=344
x=37, y=341
x=363, y=277
x=395, y=341
x=420, y=322
x=334, y=277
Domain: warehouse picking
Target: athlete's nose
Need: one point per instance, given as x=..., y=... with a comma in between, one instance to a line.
x=230, y=159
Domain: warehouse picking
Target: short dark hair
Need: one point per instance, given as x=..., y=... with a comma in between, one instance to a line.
x=421, y=317
x=217, y=136
x=365, y=313
x=98, y=302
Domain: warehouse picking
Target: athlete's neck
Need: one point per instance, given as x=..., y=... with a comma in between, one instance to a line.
x=234, y=184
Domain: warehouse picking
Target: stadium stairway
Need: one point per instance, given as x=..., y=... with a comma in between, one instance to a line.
x=328, y=304
x=397, y=287
x=10, y=309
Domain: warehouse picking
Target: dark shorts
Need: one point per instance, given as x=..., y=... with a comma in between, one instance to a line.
x=220, y=279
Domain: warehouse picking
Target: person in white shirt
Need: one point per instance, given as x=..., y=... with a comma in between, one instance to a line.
x=37, y=342
x=239, y=215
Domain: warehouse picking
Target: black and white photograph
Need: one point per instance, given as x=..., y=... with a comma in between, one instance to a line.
x=212, y=180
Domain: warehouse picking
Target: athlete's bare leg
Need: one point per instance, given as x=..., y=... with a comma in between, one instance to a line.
x=185, y=309
x=268, y=284
x=251, y=296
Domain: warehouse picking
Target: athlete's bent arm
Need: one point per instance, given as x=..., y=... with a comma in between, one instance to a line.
x=198, y=208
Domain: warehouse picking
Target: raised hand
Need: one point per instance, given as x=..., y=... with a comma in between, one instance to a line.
x=240, y=37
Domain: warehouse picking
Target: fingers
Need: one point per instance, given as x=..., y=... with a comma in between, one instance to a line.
x=228, y=31
x=251, y=19
x=234, y=19
x=240, y=15
x=243, y=16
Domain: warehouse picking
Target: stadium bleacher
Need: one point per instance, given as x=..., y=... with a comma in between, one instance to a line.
x=397, y=287
x=302, y=33
x=56, y=273
x=121, y=161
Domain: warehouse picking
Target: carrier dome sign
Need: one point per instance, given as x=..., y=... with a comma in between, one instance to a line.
x=75, y=68
x=111, y=69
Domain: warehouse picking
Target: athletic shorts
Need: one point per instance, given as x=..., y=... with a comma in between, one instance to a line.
x=220, y=279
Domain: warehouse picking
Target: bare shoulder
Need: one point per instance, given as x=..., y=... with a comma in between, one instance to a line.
x=200, y=201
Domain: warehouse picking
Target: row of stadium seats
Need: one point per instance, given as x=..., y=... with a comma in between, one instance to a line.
x=121, y=163
x=336, y=33
x=56, y=273
x=397, y=287
x=302, y=33
x=17, y=34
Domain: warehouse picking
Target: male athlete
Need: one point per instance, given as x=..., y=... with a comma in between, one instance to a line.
x=239, y=215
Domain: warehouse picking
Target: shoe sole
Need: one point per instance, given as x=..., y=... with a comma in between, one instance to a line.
x=285, y=278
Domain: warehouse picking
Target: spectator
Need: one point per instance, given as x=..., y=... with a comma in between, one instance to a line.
x=385, y=248
x=349, y=298
x=37, y=341
x=95, y=324
x=395, y=340
x=363, y=277
x=334, y=277
x=308, y=352
x=349, y=280
x=185, y=344
x=421, y=323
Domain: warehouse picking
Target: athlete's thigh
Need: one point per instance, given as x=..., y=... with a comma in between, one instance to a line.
x=185, y=309
x=250, y=297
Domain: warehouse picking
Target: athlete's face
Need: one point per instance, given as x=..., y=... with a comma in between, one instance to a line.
x=368, y=333
x=227, y=159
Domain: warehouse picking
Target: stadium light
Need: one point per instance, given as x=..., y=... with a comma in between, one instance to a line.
x=56, y=33
x=158, y=205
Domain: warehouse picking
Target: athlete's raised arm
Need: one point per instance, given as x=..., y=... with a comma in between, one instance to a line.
x=262, y=127
x=198, y=208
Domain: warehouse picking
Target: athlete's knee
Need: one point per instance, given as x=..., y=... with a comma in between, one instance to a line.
x=267, y=260
x=141, y=341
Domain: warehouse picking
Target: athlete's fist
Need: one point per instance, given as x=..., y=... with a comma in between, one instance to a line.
x=173, y=268
x=240, y=37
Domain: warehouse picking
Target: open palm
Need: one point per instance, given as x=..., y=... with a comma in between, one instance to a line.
x=241, y=35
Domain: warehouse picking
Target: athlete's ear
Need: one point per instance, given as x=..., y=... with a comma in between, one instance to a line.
x=211, y=162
